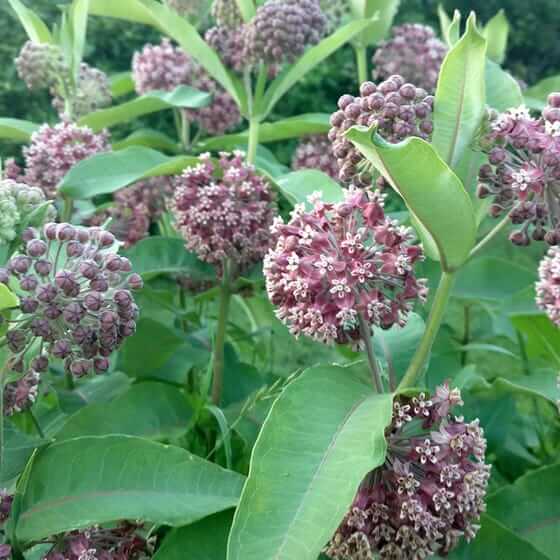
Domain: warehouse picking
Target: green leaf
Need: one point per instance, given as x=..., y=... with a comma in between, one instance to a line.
x=444, y=21
x=247, y=9
x=34, y=26
x=108, y=172
x=300, y=480
x=121, y=84
x=496, y=32
x=298, y=185
x=502, y=89
x=440, y=206
x=460, y=98
x=103, y=479
x=204, y=540
x=167, y=255
x=543, y=337
x=383, y=12
x=150, y=410
x=18, y=448
x=129, y=10
x=536, y=96
x=7, y=298
x=181, y=97
x=307, y=62
x=149, y=138
x=538, y=520
x=79, y=18
x=293, y=127
x=17, y=130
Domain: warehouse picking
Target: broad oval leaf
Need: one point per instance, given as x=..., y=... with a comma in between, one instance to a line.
x=460, y=98
x=536, y=96
x=121, y=84
x=496, y=32
x=433, y=193
x=181, y=97
x=502, y=89
x=149, y=138
x=301, y=482
x=108, y=172
x=103, y=479
x=17, y=130
x=17, y=448
x=298, y=185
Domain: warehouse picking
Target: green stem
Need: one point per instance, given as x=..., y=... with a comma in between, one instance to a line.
x=372, y=360
x=254, y=125
x=218, y=363
x=466, y=332
x=67, y=209
x=418, y=362
x=69, y=381
x=361, y=63
x=489, y=237
x=36, y=424
x=185, y=132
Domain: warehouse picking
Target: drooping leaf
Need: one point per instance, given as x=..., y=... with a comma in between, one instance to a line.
x=103, y=479
x=34, y=26
x=181, y=97
x=18, y=447
x=502, y=89
x=496, y=32
x=459, y=105
x=442, y=210
x=17, y=130
x=535, y=96
x=121, y=84
x=108, y=172
x=300, y=483
x=148, y=138
x=298, y=185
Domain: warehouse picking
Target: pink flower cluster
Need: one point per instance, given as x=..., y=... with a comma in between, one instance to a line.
x=430, y=491
x=414, y=52
x=398, y=108
x=165, y=67
x=54, y=150
x=523, y=173
x=224, y=210
x=341, y=266
x=316, y=152
x=548, y=286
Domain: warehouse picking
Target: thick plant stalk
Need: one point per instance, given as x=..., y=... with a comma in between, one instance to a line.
x=422, y=354
x=361, y=63
x=254, y=125
x=372, y=360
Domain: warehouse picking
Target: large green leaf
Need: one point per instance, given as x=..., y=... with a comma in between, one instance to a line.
x=441, y=208
x=204, y=540
x=536, y=96
x=301, y=481
x=129, y=10
x=150, y=410
x=496, y=32
x=34, y=26
x=298, y=185
x=167, y=255
x=384, y=12
x=460, y=99
x=292, y=127
x=102, y=479
x=149, y=138
x=108, y=172
x=538, y=520
x=121, y=84
x=181, y=97
x=502, y=89
x=307, y=62
x=542, y=336
x=17, y=130
x=18, y=447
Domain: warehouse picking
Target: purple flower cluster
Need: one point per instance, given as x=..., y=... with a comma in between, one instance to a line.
x=40, y=65
x=414, y=52
x=335, y=11
x=54, y=150
x=165, y=67
x=341, y=267
x=6, y=500
x=75, y=300
x=224, y=210
x=20, y=395
x=316, y=152
x=429, y=492
x=96, y=543
x=523, y=173
x=548, y=286
x=229, y=43
x=398, y=108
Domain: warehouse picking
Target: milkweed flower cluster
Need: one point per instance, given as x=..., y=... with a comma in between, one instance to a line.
x=75, y=300
x=229, y=43
x=399, y=109
x=523, y=173
x=224, y=210
x=20, y=204
x=430, y=491
x=6, y=500
x=54, y=150
x=40, y=65
x=165, y=67
x=316, y=152
x=548, y=285
x=340, y=265
x=124, y=542
x=414, y=52
x=335, y=11
x=226, y=13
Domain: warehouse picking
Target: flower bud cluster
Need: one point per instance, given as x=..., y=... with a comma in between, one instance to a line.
x=75, y=299
x=399, y=110
x=226, y=13
x=414, y=52
x=342, y=268
x=548, y=286
x=523, y=173
x=229, y=43
x=430, y=491
x=224, y=210
x=54, y=150
x=122, y=542
x=335, y=11
x=316, y=152
x=6, y=500
x=19, y=207
x=40, y=65
x=20, y=395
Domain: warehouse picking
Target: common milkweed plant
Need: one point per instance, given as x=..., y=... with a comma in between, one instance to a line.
x=206, y=354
